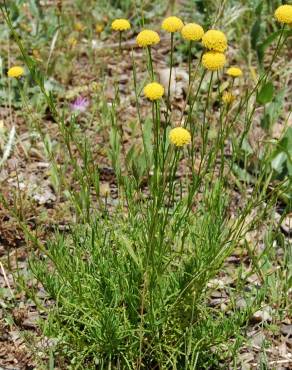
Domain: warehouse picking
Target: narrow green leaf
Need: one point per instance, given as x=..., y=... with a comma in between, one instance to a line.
x=278, y=162
x=127, y=244
x=242, y=174
x=259, y=8
x=255, y=33
x=266, y=93
x=273, y=110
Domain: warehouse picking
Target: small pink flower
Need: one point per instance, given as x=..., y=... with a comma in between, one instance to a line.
x=80, y=104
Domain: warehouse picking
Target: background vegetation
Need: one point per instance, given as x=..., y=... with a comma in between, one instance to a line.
x=127, y=251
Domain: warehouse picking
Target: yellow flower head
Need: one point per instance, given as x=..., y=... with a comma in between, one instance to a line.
x=283, y=14
x=192, y=32
x=16, y=72
x=172, y=24
x=98, y=28
x=147, y=38
x=212, y=60
x=215, y=40
x=179, y=136
x=228, y=98
x=121, y=24
x=234, y=72
x=79, y=27
x=154, y=91
x=72, y=42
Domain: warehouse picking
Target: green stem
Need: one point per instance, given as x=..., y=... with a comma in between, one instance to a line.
x=204, y=130
x=262, y=78
x=192, y=103
x=190, y=62
x=150, y=63
x=170, y=75
x=139, y=113
x=120, y=42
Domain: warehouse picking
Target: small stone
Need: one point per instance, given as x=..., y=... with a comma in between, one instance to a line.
x=286, y=330
x=263, y=315
x=216, y=284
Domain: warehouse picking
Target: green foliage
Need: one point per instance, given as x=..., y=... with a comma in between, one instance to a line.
x=257, y=26
x=262, y=47
x=273, y=110
x=266, y=93
x=282, y=156
x=111, y=304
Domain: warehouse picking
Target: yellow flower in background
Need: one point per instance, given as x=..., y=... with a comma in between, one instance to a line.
x=283, y=14
x=234, y=72
x=147, y=38
x=179, y=136
x=192, y=32
x=212, y=60
x=98, y=28
x=121, y=24
x=72, y=42
x=154, y=91
x=15, y=71
x=228, y=98
x=215, y=40
x=79, y=27
x=172, y=24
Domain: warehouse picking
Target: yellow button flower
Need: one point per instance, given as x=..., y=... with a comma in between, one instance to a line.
x=228, y=97
x=15, y=71
x=154, y=91
x=283, y=14
x=192, y=32
x=147, y=38
x=215, y=40
x=212, y=60
x=172, y=24
x=79, y=27
x=121, y=24
x=179, y=136
x=234, y=72
x=98, y=28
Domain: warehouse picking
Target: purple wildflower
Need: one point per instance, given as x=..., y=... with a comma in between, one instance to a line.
x=80, y=104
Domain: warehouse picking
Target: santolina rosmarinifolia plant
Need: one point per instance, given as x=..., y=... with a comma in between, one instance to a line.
x=130, y=285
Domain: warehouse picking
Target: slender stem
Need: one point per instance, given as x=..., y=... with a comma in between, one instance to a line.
x=194, y=100
x=170, y=75
x=190, y=89
x=275, y=53
x=150, y=63
x=204, y=130
x=138, y=111
x=190, y=62
x=155, y=131
x=262, y=78
x=120, y=42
